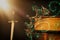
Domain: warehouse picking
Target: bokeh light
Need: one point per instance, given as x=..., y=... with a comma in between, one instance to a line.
x=4, y=5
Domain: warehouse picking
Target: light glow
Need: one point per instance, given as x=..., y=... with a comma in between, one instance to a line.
x=4, y=5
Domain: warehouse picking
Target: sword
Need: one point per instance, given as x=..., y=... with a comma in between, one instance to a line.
x=12, y=26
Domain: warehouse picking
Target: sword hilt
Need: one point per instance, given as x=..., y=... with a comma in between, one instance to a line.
x=12, y=21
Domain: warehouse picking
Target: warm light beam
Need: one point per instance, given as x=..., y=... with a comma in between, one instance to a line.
x=4, y=5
